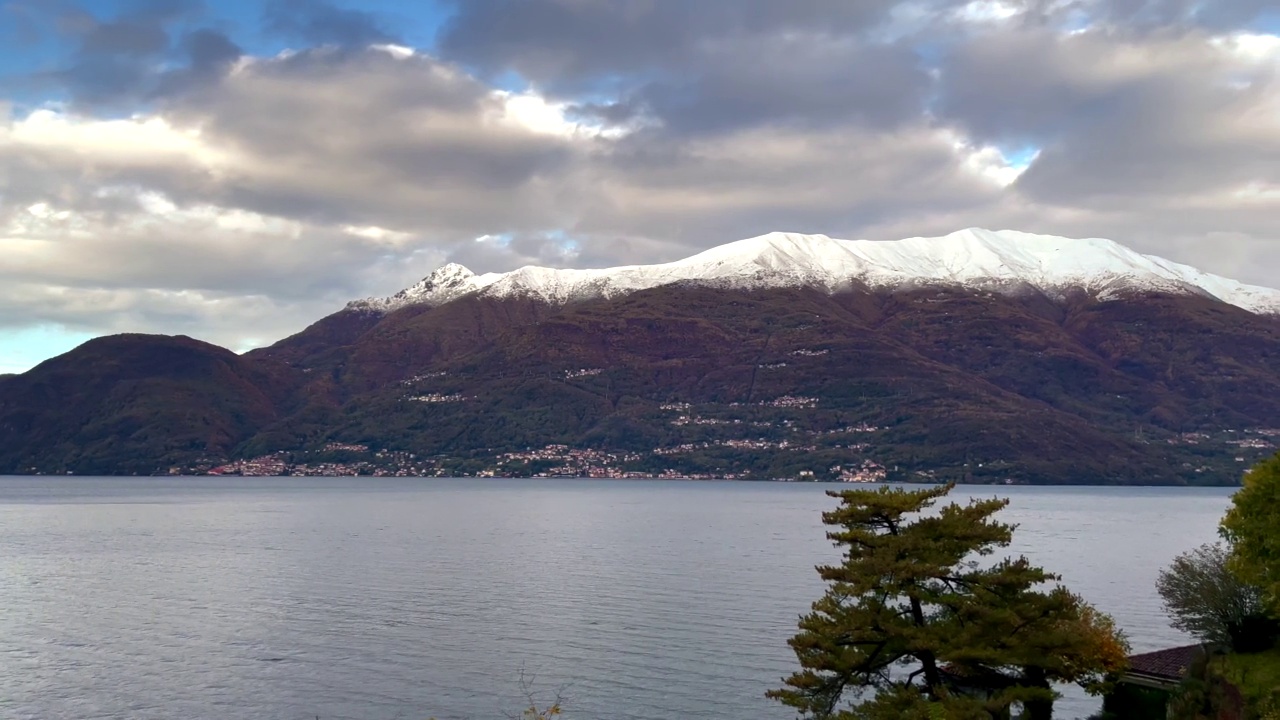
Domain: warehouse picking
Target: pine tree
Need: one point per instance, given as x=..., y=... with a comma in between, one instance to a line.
x=914, y=625
x=1014, y=641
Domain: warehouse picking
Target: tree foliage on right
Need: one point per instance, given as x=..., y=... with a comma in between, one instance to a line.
x=1252, y=527
x=915, y=625
x=1210, y=602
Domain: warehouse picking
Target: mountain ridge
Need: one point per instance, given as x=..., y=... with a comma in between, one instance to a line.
x=784, y=366
x=1003, y=261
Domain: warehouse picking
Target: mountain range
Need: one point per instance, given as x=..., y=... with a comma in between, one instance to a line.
x=1007, y=261
x=979, y=356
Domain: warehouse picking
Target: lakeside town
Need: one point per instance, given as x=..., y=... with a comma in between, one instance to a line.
x=552, y=461
x=859, y=464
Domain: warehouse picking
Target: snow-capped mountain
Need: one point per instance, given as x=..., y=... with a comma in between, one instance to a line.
x=1004, y=261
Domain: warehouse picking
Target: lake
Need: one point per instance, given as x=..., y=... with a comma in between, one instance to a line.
x=382, y=599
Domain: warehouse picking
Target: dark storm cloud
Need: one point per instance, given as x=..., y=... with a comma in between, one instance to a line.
x=117, y=61
x=1017, y=86
x=1154, y=14
x=316, y=22
x=701, y=67
x=816, y=82
x=209, y=51
x=113, y=62
x=208, y=55
x=572, y=45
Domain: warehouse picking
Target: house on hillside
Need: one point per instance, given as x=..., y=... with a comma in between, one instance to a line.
x=1143, y=692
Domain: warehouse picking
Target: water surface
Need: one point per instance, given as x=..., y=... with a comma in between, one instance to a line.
x=381, y=599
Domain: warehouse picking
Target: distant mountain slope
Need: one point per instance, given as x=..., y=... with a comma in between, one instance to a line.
x=136, y=403
x=1026, y=388
x=1007, y=357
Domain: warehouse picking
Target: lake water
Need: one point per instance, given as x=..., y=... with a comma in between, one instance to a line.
x=381, y=599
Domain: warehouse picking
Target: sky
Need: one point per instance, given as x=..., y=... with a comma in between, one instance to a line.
x=235, y=170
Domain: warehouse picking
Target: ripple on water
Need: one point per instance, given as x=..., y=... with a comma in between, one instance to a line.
x=242, y=599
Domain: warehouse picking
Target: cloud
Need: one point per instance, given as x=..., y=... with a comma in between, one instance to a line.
x=700, y=67
x=209, y=54
x=142, y=53
x=315, y=22
x=711, y=190
x=1170, y=143
x=371, y=138
x=1118, y=117
x=575, y=45
x=141, y=263
x=290, y=185
x=240, y=196
x=1146, y=15
x=808, y=80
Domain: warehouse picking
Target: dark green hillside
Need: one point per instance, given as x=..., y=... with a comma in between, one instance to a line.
x=320, y=339
x=927, y=384
x=968, y=386
x=136, y=403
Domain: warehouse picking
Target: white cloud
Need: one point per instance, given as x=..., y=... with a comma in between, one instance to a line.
x=378, y=234
x=534, y=112
x=986, y=161
x=400, y=52
x=134, y=140
x=1258, y=192
x=249, y=206
x=44, y=212
x=1253, y=47
x=987, y=11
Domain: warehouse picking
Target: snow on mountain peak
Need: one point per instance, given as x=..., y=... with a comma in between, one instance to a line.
x=449, y=281
x=1004, y=261
x=447, y=277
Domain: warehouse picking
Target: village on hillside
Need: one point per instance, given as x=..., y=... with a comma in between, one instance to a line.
x=853, y=443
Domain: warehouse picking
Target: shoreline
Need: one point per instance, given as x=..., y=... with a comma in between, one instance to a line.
x=775, y=481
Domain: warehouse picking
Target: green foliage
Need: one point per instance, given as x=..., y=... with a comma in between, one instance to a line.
x=912, y=622
x=1252, y=526
x=1257, y=677
x=1208, y=601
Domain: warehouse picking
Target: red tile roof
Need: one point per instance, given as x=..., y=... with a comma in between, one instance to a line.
x=1170, y=664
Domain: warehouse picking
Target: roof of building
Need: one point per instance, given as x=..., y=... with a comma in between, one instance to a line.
x=1170, y=663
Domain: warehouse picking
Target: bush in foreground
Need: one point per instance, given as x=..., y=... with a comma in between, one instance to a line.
x=1209, y=601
